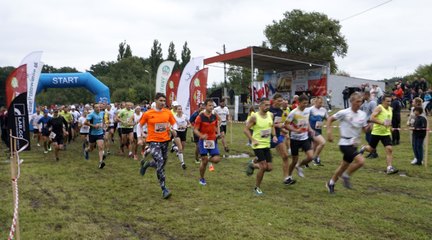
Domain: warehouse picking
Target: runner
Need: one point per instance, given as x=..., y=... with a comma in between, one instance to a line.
x=368, y=107
x=158, y=122
x=317, y=115
x=56, y=125
x=192, y=119
x=83, y=130
x=110, y=123
x=298, y=123
x=352, y=121
x=222, y=112
x=206, y=128
x=281, y=148
x=181, y=125
x=96, y=134
x=43, y=122
x=124, y=117
x=261, y=124
x=34, y=119
x=381, y=131
x=135, y=119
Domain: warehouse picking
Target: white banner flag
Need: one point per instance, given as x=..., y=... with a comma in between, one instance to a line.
x=192, y=67
x=163, y=73
x=34, y=69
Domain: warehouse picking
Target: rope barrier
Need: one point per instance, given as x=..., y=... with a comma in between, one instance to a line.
x=15, y=186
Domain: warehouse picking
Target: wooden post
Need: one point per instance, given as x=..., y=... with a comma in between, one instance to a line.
x=13, y=163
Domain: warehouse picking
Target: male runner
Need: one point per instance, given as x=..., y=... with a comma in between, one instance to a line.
x=124, y=117
x=96, y=135
x=222, y=112
x=317, y=115
x=55, y=124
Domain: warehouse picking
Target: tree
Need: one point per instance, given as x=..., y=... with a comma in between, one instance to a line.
x=124, y=51
x=185, y=56
x=155, y=58
x=308, y=34
x=424, y=71
x=172, y=55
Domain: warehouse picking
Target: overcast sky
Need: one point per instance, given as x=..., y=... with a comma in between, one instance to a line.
x=390, y=40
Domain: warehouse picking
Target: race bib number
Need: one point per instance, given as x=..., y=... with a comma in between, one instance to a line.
x=318, y=124
x=160, y=127
x=265, y=133
x=209, y=144
x=52, y=135
x=277, y=120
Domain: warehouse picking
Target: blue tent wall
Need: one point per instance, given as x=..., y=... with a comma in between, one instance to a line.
x=74, y=80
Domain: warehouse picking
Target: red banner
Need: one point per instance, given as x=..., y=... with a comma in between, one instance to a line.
x=171, y=87
x=16, y=83
x=318, y=87
x=198, y=89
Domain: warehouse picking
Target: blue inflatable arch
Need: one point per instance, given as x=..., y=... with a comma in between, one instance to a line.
x=74, y=80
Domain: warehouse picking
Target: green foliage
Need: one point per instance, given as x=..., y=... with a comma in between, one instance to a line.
x=124, y=51
x=172, y=55
x=308, y=34
x=101, y=69
x=185, y=55
x=155, y=58
x=423, y=71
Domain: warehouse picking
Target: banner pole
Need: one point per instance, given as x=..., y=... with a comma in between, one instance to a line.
x=426, y=152
x=13, y=162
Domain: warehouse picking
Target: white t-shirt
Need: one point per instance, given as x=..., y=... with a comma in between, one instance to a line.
x=181, y=123
x=84, y=128
x=75, y=115
x=351, y=124
x=111, y=114
x=137, y=118
x=223, y=113
x=35, y=119
x=299, y=119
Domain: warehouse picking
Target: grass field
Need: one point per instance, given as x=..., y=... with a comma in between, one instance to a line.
x=73, y=199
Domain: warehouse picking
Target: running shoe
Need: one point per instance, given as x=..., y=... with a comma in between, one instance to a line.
x=50, y=149
x=414, y=161
x=86, y=155
x=330, y=187
x=183, y=166
x=38, y=144
x=101, y=165
x=258, y=191
x=104, y=156
x=226, y=149
x=346, y=182
x=289, y=181
x=45, y=152
x=391, y=170
x=300, y=171
x=197, y=161
x=250, y=168
x=317, y=162
x=144, y=166
x=211, y=167
x=166, y=194
x=202, y=181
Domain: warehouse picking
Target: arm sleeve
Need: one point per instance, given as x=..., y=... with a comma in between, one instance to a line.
x=143, y=119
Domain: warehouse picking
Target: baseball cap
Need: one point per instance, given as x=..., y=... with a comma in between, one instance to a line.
x=46, y=111
x=175, y=103
x=72, y=106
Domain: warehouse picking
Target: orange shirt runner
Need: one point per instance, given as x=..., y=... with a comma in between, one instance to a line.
x=158, y=124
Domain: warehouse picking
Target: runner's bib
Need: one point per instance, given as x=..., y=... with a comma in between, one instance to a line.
x=318, y=124
x=209, y=144
x=160, y=127
x=265, y=133
x=52, y=135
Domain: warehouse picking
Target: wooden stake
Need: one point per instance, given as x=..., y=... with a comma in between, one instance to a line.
x=426, y=154
x=13, y=163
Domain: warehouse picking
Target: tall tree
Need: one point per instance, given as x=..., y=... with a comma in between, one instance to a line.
x=308, y=34
x=185, y=56
x=124, y=51
x=155, y=58
x=172, y=55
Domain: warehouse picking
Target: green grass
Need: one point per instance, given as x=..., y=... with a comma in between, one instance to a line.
x=73, y=199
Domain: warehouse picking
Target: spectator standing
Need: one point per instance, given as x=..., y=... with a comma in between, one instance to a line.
x=346, y=94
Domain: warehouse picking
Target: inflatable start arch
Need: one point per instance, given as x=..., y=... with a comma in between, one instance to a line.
x=74, y=80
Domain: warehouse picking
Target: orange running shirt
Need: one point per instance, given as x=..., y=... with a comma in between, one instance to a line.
x=207, y=125
x=158, y=124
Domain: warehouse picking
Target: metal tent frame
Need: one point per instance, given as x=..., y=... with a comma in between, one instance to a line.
x=267, y=60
